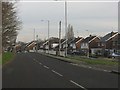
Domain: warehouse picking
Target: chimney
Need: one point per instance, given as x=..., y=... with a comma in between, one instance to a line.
x=90, y=35
x=112, y=33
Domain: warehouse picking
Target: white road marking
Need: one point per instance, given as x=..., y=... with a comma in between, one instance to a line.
x=40, y=63
x=37, y=61
x=46, y=67
x=57, y=73
x=78, y=85
x=89, y=67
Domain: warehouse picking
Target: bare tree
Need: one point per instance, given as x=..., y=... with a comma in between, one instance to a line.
x=70, y=33
x=10, y=24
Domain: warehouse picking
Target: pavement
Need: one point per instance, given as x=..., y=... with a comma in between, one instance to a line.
x=34, y=70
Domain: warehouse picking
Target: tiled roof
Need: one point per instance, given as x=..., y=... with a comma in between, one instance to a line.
x=75, y=40
x=107, y=36
x=87, y=39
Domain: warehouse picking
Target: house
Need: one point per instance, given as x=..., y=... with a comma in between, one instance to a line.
x=74, y=44
x=91, y=44
x=31, y=46
x=62, y=47
x=40, y=44
x=17, y=48
x=51, y=43
x=111, y=42
x=78, y=42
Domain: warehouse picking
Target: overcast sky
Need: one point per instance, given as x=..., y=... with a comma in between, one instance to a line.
x=99, y=18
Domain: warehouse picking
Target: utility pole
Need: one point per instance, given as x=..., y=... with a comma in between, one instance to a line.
x=59, y=36
x=48, y=37
x=36, y=43
x=88, y=45
x=48, y=33
x=66, y=27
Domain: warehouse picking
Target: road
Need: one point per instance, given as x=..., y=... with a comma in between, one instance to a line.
x=33, y=70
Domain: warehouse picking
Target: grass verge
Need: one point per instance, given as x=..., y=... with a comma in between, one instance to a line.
x=6, y=57
x=95, y=61
x=0, y=59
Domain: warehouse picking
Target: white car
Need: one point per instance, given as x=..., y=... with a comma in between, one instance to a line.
x=115, y=55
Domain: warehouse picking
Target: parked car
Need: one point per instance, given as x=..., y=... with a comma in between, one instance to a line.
x=115, y=55
x=76, y=53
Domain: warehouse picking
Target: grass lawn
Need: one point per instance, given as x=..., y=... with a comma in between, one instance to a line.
x=0, y=59
x=7, y=56
x=95, y=61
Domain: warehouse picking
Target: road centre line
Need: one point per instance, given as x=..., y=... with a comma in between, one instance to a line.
x=34, y=59
x=78, y=85
x=46, y=67
x=37, y=61
x=57, y=73
x=60, y=75
x=40, y=63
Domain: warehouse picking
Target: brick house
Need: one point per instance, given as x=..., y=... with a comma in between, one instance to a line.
x=111, y=42
x=91, y=44
x=74, y=44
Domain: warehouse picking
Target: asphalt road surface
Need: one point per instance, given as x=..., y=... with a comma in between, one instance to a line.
x=33, y=70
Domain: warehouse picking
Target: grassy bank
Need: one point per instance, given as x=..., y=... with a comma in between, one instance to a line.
x=95, y=61
x=6, y=57
x=0, y=59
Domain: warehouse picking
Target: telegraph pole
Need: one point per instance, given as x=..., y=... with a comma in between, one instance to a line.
x=48, y=36
x=66, y=27
x=88, y=45
x=36, y=43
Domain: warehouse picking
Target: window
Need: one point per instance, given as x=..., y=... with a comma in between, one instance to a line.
x=113, y=43
x=102, y=44
x=98, y=44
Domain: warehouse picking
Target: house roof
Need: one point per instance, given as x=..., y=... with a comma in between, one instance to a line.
x=51, y=40
x=55, y=45
x=75, y=40
x=62, y=42
x=107, y=36
x=33, y=43
x=80, y=39
x=88, y=39
x=112, y=36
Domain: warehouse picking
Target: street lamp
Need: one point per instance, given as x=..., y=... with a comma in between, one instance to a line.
x=48, y=33
x=65, y=26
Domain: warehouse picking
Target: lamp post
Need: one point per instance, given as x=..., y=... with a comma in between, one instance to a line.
x=48, y=32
